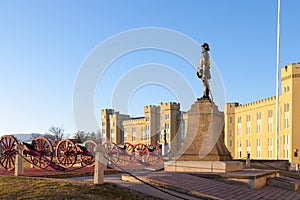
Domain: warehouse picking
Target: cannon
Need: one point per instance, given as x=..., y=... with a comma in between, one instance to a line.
x=40, y=151
x=155, y=153
x=67, y=152
x=127, y=153
x=141, y=153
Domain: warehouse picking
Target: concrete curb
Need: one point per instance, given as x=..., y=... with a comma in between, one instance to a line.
x=170, y=187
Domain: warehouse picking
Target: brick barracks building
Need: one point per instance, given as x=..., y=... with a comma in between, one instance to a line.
x=165, y=118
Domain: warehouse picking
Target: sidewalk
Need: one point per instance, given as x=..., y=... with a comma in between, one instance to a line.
x=140, y=187
x=216, y=189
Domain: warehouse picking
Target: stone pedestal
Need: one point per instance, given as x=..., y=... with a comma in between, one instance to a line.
x=204, y=141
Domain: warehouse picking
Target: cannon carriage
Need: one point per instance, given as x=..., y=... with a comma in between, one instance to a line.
x=41, y=152
x=67, y=152
x=127, y=153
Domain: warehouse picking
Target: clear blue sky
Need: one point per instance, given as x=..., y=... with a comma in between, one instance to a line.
x=44, y=43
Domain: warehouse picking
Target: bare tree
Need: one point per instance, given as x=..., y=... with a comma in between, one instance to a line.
x=99, y=137
x=58, y=132
x=80, y=135
x=50, y=137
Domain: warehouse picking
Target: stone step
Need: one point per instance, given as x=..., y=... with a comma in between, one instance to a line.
x=282, y=183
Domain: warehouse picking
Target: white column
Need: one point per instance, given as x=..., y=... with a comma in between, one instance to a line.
x=100, y=164
x=19, y=171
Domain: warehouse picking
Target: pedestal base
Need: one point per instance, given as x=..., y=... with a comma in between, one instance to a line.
x=202, y=166
x=205, y=134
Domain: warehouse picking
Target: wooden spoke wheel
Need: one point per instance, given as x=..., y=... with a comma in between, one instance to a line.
x=8, y=152
x=66, y=153
x=126, y=153
x=88, y=159
x=112, y=152
x=155, y=153
x=141, y=153
x=44, y=150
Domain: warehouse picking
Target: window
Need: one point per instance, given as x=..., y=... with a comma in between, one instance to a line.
x=270, y=148
x=143, y=133
x=103, y=123
x=182, y=132
x=239, y=126
x=258, y=148
x=167, y=116
x=125, y=135
x=148, y=132
x=258, y=122
x=112, y=123
x=270, y=121
x=230, y=120
x=167, y=128
x=103, y=136
x=230, y=143
x=230, y=133
x=239, y=145
x=286, y=146
x=133, y=134
x=248, y=145
x=147, y=119
x=286, y=115
x=112, y=132
x=248, y=124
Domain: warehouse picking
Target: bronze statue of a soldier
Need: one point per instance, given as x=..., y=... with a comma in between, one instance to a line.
x=203, y=71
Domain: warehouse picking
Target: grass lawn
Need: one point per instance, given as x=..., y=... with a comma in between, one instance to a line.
x=30, y=188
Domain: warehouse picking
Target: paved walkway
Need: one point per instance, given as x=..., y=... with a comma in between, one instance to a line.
x=218, y=189
x=140, y=187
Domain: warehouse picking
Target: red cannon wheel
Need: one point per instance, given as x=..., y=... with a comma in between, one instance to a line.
x=155, y=153
x=141, y=153
x=44, y=150
x=66, y=153
x=112, y=152
x=8, y=152
x=126, y=153
x=87, y=159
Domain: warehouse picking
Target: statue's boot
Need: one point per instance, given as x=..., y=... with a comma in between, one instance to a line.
x=207, y=93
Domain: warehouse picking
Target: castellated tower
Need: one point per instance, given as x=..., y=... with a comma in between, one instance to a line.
x=152, y=122
x=112, y=127
x=230, y=125
x=289, y=113
x=105, y=117
x=169, y=124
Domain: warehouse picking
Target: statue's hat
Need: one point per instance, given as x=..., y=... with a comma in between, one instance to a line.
x=205, y=46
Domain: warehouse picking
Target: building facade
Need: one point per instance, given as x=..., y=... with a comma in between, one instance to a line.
x=159, y=123
x=251, y=128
